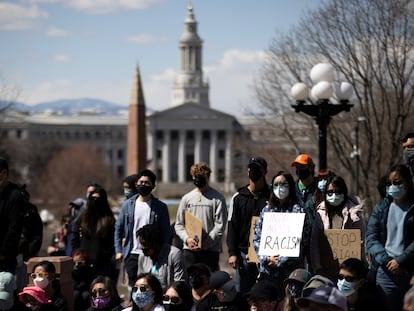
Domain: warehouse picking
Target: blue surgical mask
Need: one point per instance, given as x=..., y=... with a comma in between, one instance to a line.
x=128, y=193
x=335, y=199
x=408, y=155
x=141, y=299
x=322, y=184
x=397, y=192
x=345, y=287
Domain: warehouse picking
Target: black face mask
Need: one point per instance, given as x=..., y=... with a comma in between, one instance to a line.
x=174, y=307
x=303, y=174
x=200, y=182
x=255, y=175
x=144, y=190
x=196, y=281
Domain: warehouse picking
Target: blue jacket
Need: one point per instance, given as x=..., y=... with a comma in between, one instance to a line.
x=376, y=236
x=124, y=226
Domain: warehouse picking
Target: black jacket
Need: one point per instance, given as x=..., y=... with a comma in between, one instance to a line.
x=244, y=205
x=12, y=207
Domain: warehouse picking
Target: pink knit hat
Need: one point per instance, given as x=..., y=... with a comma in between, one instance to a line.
x=36, y=292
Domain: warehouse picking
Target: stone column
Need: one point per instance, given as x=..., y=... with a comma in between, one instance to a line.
x=197, y=146
x=213, y=155
x=166, y=156
x=181, y=156
x=228, y=164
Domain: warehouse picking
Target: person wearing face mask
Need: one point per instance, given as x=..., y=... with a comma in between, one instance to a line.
x=129, y=185
x=163, y=260
x=408, y=150
x=337, y=211
x=82, y=277
x=103, y=295
x=293, y=288
x=282, y=200
x=247, y=202
x=305, y=185
x=223, y=295
x=199, y=280
x=178, y=297
x=209, y=206
x=139, y=210
x=146, y=295
x=390, y=238
x=353, y=284
x=44, y=276
x=95, y=233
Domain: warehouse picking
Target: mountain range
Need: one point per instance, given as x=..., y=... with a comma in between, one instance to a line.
x=72, y=107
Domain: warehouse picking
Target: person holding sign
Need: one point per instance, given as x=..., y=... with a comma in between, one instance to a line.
x=246, y=203
x=337, y=211
x=390, y=237
x=275, y=267
x=208, y=206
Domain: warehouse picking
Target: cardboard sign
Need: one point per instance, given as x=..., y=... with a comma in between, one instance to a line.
x=281, y=234
x=251, y=252
x=344, y=243
x=193, y=226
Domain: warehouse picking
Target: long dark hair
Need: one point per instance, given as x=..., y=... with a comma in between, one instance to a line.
x=184, y=292
x=97, y=219
x=273, y=200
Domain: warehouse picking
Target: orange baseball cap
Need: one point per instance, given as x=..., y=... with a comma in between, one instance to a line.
x=302, y=159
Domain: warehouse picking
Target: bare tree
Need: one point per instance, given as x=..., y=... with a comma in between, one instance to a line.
x=370, y=44
x=69, y=171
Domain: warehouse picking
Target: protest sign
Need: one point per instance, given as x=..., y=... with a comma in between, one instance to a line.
x=251, y=252
x=193, y=226
x=281, y=234
x=344, y=243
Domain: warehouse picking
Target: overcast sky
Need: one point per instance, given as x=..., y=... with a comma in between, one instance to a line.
x=59, y=49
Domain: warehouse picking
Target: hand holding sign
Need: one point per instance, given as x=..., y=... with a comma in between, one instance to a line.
x=281, y=234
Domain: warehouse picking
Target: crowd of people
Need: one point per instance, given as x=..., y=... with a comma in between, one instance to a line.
x=187, y=276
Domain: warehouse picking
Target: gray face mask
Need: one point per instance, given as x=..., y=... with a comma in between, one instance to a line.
x=408, y=156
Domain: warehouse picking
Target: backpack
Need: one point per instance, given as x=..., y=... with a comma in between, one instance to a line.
x=32, y=231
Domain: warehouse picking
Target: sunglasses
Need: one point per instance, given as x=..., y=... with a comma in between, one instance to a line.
x=331, y=192
x=41, y=275
x=281, y=184
x=347, y=278
x=394, y=182
x=142, y=289
x=171, y=299
x=100, y=291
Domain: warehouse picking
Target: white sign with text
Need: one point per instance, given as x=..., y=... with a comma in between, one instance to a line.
x=281, y=234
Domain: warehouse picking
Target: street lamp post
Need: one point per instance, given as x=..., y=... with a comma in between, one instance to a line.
x=356, y=153
x=321, y=104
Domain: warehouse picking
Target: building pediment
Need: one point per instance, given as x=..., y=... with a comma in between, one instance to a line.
x=191, y=111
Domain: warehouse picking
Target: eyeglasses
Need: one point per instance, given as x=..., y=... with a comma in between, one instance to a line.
x=142, y=289
x=100, y=291
x=281, y=184
x=171, y=299
x=394, y=182
x=347, y=278
x=331, y=192
x=40, y=275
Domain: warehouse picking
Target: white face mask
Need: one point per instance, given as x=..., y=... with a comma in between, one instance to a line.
x=281, y=192
x=41, y=282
